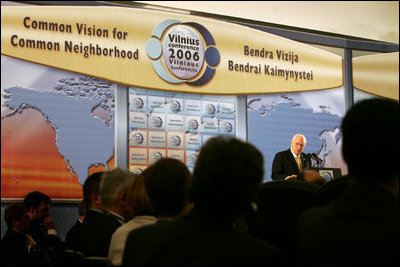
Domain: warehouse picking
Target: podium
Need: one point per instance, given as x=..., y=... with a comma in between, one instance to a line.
x=328, y=173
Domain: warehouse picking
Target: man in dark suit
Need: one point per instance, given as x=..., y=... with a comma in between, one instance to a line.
x=98, y=228
x=225, y=179
x=289, y=163
x=74, y=232
x=91, y=198
x=360, y=227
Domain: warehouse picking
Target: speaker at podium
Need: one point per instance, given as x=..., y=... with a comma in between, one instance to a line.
x=328, y=173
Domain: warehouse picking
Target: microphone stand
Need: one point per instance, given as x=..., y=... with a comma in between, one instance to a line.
x=316, y=159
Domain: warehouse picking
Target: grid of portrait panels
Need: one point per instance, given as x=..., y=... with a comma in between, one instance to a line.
x=166, y=124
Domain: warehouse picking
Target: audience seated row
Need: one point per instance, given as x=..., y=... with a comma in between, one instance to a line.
x=225, y=179
x=31, y=238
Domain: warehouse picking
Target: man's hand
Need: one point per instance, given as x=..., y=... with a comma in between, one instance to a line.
x=293, y=176
x=49, y=223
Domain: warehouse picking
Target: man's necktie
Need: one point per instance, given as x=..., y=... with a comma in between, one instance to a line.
x=298, y=162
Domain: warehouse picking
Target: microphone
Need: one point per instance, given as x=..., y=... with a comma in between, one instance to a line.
x=315, y=157
x=308, y=155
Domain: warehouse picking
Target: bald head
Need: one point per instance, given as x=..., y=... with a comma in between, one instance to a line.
x=298, y=144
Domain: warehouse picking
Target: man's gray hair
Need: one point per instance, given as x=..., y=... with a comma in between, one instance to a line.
x=304, y=138
x=112, y=183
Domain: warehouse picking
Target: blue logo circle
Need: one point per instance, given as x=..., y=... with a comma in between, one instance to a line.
x=180, y=57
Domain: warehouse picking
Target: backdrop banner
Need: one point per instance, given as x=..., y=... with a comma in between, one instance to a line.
x=165, y=51
x=377, y=74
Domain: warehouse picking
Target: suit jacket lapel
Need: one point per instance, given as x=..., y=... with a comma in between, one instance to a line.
x=293, y=161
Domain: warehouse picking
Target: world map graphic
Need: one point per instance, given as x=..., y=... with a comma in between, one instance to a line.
x=80, y=109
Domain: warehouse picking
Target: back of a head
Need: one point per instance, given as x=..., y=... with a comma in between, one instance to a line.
x=226, y=177
x=91, y=185
x=112, y=184
x=14, y=212
x=311, y=176
x=167, y=183
x=371, y=140
x=33, y=199
x=138, y=198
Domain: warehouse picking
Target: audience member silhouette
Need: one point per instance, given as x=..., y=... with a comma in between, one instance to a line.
x=361, y=227
x=167, y=183
x=139, y=202
x=91, y=198
x=18, y=248
x=42, y=227
x=225, y=179
x=97, y=232
x=74, y=233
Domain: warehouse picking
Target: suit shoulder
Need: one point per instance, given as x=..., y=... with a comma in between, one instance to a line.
x=283, y=153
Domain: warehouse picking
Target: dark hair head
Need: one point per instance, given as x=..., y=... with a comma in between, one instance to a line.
x=91, y=185
x=14, y=211
x=33, y=199
x=167, y=183
x=138, y=198
x=226, y=177
x=371, y=140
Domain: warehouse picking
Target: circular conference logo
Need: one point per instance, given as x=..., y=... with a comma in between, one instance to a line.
x=179, y=52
